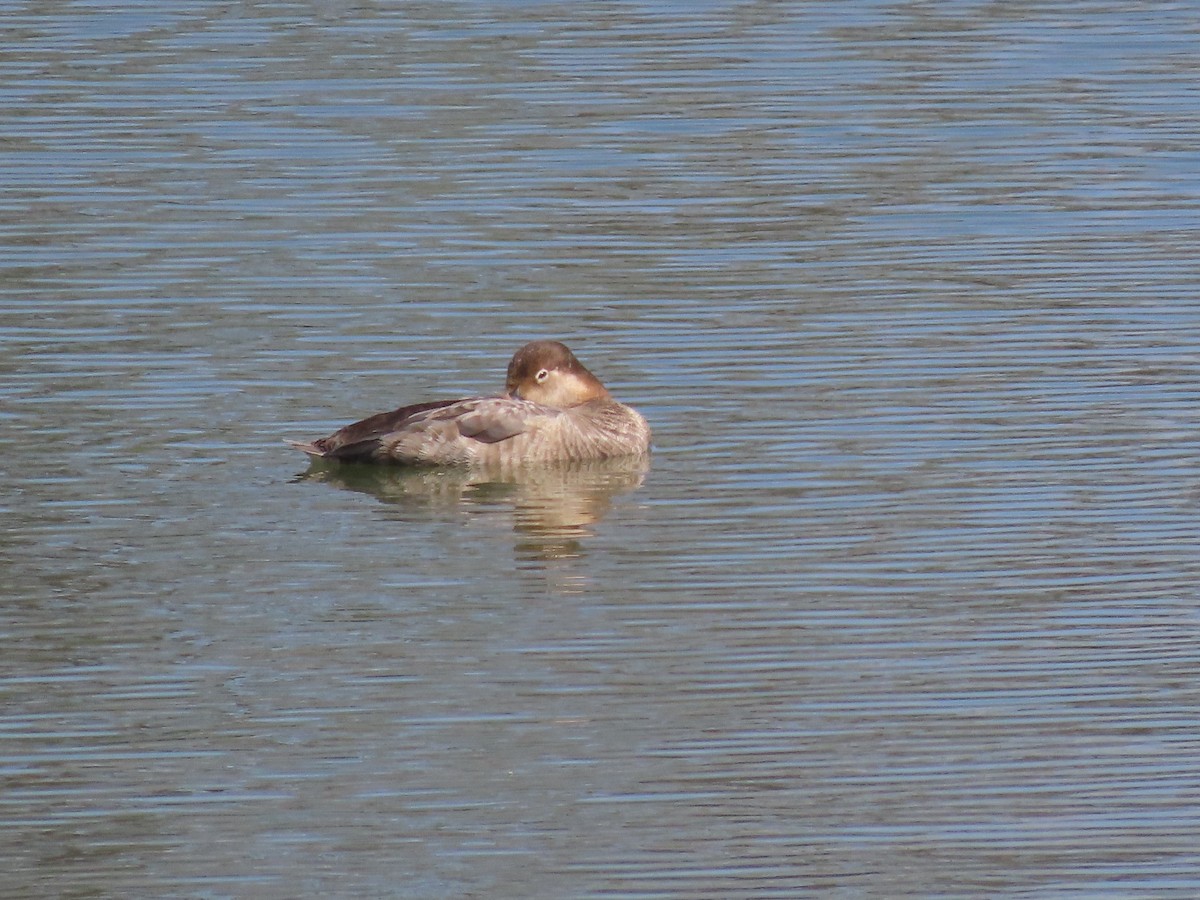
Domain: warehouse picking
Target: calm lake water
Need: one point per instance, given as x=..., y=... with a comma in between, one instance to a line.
x=906, y=604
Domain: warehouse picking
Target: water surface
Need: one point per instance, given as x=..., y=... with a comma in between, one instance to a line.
x=906, y=602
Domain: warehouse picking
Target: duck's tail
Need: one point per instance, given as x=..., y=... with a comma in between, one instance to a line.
x=309, y=447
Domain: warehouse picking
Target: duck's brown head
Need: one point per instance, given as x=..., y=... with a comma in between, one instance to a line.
x=547, y=372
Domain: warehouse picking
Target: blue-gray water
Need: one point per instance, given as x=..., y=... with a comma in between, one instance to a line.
x=906, y=604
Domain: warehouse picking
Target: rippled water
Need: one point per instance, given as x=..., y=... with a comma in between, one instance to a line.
x=906, y=604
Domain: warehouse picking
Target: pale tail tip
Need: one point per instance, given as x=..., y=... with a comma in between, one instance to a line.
x=306, y=446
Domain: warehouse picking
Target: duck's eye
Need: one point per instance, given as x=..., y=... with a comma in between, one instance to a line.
x=542, y=375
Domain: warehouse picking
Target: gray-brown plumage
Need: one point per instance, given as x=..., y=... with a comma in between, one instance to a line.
x=554, y=410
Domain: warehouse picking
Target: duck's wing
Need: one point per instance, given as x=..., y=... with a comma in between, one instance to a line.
x=496, y=419
x=360, y=440
x=468, y=431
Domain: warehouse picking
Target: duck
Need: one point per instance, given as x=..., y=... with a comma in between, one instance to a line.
x=553, y=410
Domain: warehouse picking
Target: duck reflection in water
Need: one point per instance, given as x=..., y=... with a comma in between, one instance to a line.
x=552, y=507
